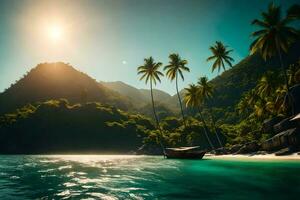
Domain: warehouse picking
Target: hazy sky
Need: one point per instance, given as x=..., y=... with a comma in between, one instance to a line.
x=108, y=39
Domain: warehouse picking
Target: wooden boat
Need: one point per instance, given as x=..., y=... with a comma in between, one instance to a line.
x=185, y=152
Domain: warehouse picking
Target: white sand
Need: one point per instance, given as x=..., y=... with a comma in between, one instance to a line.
x=294, y=156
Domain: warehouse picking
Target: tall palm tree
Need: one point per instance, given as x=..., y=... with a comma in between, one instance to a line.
x=206, y=92
x=150, y=72
x=274, y=36
x=191, y=99
x=175, y=68
x=220, y=56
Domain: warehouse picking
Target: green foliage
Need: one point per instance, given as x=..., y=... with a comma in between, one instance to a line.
x=231, y=85
x=241, y=133
x=170, y=123
x=162, y=110
x=55, y=126
x=264, y=101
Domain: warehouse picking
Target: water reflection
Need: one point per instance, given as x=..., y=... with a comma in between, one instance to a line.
x=140, y=177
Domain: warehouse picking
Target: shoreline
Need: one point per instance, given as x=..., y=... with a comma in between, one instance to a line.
x=294, y=156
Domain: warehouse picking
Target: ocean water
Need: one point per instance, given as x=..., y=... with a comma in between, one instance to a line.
x=145, y=177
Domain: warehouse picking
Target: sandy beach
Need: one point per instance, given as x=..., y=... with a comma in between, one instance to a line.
x=294, y=156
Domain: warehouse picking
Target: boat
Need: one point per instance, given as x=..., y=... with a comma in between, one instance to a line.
x=185, y=152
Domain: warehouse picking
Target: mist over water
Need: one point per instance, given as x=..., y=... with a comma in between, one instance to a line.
x=145, y=177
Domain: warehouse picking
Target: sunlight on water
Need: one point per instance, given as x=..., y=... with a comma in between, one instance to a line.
x=144, y=177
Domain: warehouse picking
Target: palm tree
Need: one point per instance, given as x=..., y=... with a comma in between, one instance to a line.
x=192, y=99
x=176, y=67
x=274, y=36
x=260, y=109
x=279, y=100
x=243, y=105
x=293, y=73
x=220, y=56
x=206, y=92
x=267, y=84
x=150, y=72
x=253, y=97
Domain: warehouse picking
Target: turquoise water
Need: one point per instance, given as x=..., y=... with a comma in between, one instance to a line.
x=146, y=177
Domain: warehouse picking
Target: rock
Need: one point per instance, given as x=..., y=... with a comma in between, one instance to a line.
x=260, y=153
x=268, y=145
x=256, y=134
x=220, y=151
x=284, y=125
x=296, y=118
x=248, y=148
x=288, y=138
x=234, y=148
x=295, y=94
x=267, y=126
x=284, y=151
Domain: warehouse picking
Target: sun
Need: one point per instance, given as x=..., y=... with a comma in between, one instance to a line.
x=55, y=32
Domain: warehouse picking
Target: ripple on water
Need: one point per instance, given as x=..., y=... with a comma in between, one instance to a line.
x=138, y=177
x=65, y=167
x=64, y=194
x=46, y=170
x=102, y=196
x=14, y=177
x=69, y=184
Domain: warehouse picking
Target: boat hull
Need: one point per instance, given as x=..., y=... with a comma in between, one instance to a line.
x=184, y=155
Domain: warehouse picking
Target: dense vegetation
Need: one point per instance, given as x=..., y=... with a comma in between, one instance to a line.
x=56, y=126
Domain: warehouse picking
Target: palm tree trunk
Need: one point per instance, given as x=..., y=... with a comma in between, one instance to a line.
x=180, y=103
x=205, y=129
x=223, y=65
x=215, y=128
x=156, y=119
x=290, y=98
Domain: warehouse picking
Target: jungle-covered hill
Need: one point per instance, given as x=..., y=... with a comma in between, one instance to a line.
x=231, y=84
x=56, y=126
x=58, y=80
x=234, y=82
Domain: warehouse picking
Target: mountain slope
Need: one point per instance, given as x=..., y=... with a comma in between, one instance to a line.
x=231, y=84
x=159, y=95
x=58, y=80
x=139, y=97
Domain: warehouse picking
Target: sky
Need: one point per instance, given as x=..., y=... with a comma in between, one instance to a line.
x=108, y=39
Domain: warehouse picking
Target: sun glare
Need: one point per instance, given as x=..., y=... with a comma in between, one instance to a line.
x=55, y=33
